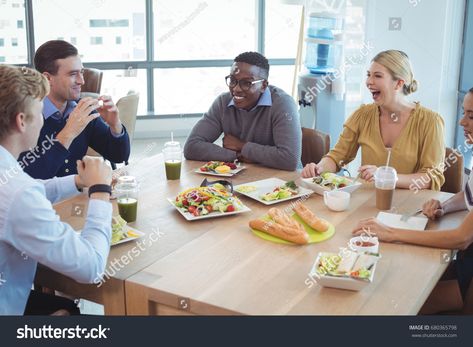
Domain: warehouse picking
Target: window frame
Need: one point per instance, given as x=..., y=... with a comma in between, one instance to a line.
x=150, y=64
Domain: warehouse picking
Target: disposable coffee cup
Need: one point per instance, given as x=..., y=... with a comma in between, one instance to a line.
x=385, y=179
x=172, y=160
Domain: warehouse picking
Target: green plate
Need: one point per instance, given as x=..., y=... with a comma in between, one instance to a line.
x=314, y=236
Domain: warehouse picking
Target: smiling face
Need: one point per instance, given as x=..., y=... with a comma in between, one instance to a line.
x=67, y=82
x=247, y=99
x=467, y=120
x=381, y=84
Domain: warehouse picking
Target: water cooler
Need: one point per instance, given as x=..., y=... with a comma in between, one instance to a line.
x=321, y=87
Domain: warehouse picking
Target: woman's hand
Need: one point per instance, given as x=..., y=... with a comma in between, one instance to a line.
x=372, y=227
x=311, y=170
x=433, y=209
x=367, y=172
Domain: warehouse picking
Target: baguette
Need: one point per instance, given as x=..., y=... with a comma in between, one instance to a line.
x=286, y=233
x=311, y=219
x=282, y=218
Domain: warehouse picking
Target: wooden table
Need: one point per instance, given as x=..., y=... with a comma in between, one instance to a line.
x=128, y=258
x=217, y=266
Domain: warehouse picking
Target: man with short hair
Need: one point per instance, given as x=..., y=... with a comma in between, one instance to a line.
x=30, y=230
x=260, y=122
x=71, y=124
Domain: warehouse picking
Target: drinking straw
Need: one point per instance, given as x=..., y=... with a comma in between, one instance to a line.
x=389, y=157
x=172, y=136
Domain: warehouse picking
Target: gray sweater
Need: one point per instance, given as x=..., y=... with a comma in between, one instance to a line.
x=272, y=133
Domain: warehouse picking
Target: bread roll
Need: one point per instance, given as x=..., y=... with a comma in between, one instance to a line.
x=311, y=219
x=286, y=233
x=282, y=218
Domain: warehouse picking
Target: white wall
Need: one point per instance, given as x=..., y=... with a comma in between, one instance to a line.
x=431, y=34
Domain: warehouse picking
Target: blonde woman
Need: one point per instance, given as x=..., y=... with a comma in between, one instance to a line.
x=449, y=294
x=413, y=133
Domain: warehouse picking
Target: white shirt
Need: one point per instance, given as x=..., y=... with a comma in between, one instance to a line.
x=31, y=232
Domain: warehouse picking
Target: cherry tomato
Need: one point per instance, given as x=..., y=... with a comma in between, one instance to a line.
x=185, y=202
x=204, y=169
x=230, y=208
x=205, y=198
x=192, y=209
x=209, y=208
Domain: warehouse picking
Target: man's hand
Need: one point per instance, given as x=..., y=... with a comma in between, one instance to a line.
x=77, y=121
x=433, y=209
x=233, y=143
x=109, y=112
x=93, y=170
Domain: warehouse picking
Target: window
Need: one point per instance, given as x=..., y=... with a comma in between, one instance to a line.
x=105, y=23
x=124, y=18
x=282, y=24
x=96, y=40
x=211, y=29
x=13, y=32
x=118, y=83
x=179, y=66
x=188, y=90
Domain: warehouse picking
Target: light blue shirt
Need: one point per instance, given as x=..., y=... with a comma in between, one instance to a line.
x=31, y=232
x=264, y=100
x=50, y=110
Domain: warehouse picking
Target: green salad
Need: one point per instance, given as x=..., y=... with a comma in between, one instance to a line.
x=331, y=180
x=285, y=191
x=118, y=229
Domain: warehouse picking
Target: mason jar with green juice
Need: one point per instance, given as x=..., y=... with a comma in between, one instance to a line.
x=172, y=160
x=126, y=191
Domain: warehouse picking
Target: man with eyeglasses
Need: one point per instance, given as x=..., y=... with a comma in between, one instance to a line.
x=259, y=121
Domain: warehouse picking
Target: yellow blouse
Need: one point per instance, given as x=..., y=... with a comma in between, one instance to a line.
x=420, y=148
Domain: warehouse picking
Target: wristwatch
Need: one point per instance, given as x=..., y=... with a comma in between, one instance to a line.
x=100, y=188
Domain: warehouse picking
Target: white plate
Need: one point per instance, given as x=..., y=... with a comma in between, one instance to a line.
x=394, y=221
x=347, y=283
x=308, y=183
x=267, y=186
x=214, y=214
x=229, y=174
x=129, y=238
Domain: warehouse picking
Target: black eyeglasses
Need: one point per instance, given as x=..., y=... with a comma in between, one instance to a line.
x=244, y=84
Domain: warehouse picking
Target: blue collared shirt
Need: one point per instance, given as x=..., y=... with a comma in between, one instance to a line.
x=264, y=100
x=50, y=110
x=31, y=232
